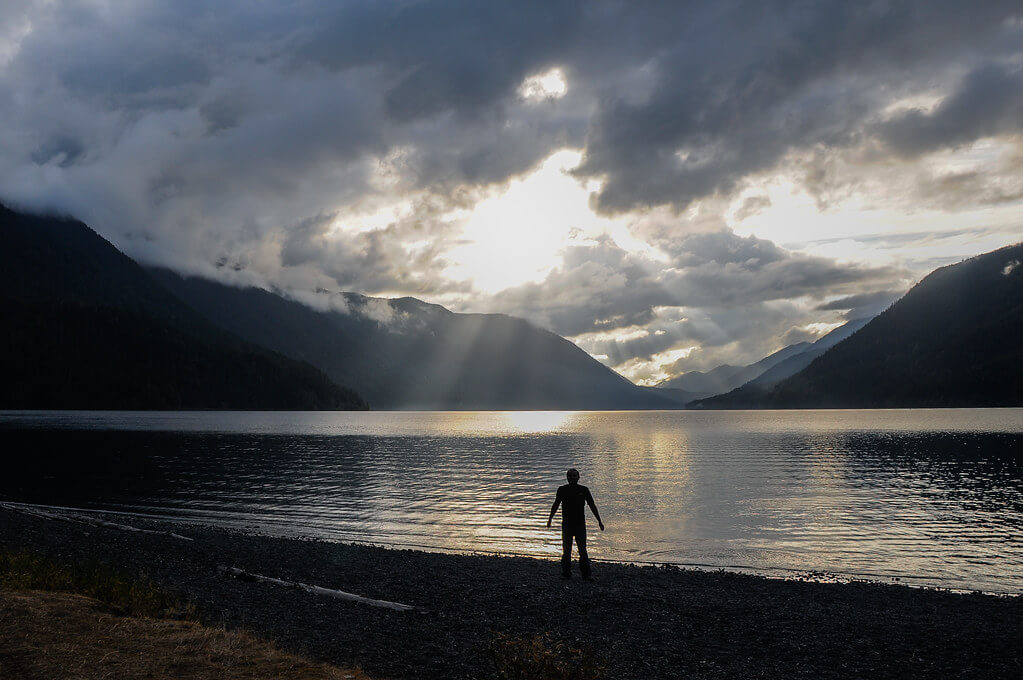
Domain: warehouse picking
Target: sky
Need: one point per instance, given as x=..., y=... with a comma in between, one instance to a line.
x=671, y=186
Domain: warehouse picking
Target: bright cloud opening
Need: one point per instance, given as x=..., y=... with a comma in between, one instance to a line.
x=549, y=85
x=651, y=371
x=517, y=236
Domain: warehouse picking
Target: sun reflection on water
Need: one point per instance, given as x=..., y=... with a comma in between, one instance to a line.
x=535, y=422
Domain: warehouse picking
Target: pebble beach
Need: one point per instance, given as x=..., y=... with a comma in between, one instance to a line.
x=632, y=621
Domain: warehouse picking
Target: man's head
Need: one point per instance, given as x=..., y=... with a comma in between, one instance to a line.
x=573, y=476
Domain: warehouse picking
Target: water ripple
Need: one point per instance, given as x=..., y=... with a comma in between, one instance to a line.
x=932, y=496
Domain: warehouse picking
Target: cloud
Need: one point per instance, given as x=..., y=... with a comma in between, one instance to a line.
x=216, y=126
x=798, y=334
x=671, y=103
x=404, y=255
x=988, y=102
x=751, y=206
x=718, y=290
x=264, y=137
x=789, y=77
x=725, y=248
x=862, y=305
x=459, y=56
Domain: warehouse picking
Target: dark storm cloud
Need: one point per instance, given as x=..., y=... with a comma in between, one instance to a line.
x=461, y=56
x=742, y=84
x=671, y=101
x=988, y=102
x=471, y=153
x=177, y=118
x=150, y=57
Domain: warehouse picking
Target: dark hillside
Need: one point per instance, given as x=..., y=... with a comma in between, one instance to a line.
x=405, y=353
x=955, y=339
x=86, y=327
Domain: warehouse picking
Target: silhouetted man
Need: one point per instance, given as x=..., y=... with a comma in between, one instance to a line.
x=571, y=497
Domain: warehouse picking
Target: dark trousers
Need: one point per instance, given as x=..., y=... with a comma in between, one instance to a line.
x=578, y=532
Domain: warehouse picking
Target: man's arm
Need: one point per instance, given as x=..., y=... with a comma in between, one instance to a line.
x=554, y=508
x=593, y=508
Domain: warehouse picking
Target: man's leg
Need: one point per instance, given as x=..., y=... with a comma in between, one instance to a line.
x=566, y=551
x=580, y=542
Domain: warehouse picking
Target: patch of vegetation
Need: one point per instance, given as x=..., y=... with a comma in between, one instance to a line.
x=135, y=597
x=543, y=657
x=63, y=635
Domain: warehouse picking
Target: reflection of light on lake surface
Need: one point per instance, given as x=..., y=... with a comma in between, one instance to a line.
x=928, y=496
x=533, y=422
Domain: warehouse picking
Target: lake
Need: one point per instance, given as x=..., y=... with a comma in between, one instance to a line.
x=928, y=497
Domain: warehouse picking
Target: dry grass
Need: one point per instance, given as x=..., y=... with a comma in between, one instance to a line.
x=95, y=623
x=67, y=636
x=138, y=597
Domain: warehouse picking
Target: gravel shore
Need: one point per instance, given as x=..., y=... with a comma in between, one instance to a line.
x=638, y=622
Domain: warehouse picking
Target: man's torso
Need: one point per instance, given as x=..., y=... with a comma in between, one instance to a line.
x=573, y=501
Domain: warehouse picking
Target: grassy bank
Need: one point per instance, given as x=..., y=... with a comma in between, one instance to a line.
x=21, y=570
x=88, y=621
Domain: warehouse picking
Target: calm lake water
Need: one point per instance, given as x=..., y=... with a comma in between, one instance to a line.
x=931, y=497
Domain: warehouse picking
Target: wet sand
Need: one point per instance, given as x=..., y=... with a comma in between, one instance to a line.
x=637, y=622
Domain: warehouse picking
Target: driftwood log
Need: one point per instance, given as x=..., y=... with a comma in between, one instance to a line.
x=64, y=515
x=242, y=575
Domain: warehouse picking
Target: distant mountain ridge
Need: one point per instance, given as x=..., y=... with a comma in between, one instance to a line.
x=408, y=354
x=727, y=377
x=693, y=386
x=955, y=339
x=86, y=327
x=796, y=362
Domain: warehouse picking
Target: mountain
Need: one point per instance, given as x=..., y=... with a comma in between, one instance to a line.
x=407, y=354
x=698, y=385
x=86, y=327
x=796, y=363
x=679, y=397
x=955, y=339
x=701, y=383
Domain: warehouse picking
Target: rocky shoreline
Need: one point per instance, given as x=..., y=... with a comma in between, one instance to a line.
x=637, y=622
